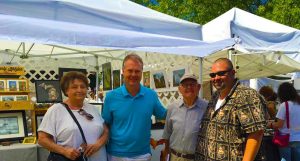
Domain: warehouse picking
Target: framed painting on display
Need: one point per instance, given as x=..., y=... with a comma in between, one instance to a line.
x=116, y=79
x=146, y=79
x=160, y=79
x=22, y=85
x=12, y=85
x=107, y=82
x=177, y=73
x=2, y=85
x=48, y=91
x=12, y=125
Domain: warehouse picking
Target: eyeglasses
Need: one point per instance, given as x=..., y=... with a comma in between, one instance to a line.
x=220, y=73
x=88, y=116
x=191, y=85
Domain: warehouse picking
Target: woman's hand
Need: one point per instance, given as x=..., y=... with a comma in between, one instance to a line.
x=71, y=153
x=91, y=149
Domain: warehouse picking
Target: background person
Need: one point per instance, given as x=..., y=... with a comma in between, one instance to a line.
x=232, y=127
x=287, y=92
x=58, y=131
x=183, y=120
x=127, y=111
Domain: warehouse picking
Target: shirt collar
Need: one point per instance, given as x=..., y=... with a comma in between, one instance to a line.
x=140, y=93
x=182, y=104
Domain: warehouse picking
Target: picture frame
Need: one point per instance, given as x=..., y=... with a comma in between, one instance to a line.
x=160, y=80
x=116, y=79
x=22, y=85
x=38, y=120
x=176, y=75
x=8, y=98
x=12, y=125
x=48, y=91
x=29, y=140
x=62, y=71
x=21, y=98
x=12, y=85
x=2, y=85
x=107, y=82
x=146, y=79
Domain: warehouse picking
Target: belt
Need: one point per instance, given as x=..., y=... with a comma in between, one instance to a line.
x=182, y=155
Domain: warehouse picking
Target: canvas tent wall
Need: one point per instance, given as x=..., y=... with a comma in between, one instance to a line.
x=262, y=47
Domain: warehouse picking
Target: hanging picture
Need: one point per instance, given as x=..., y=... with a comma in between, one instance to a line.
x=22, y=85
x=48, y=91
x=116, y=79
x=12, y=125
x=107, y=83
x=8, y=98
x=12, y=85
x=2, y=85
x=21, y=98
x=146, y=79
x=62, y=71
x=176, y=76
x=160, y=79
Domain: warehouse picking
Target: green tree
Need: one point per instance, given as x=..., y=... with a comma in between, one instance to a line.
x=283, y=11
x=198, y=11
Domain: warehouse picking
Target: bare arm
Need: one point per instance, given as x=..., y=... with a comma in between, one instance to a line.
x=92, y=148
x=252, y=145
x=46, y=140
x=276, y=125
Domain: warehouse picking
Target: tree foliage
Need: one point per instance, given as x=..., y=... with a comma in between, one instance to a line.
x=283, y=11
x=202, y=11
x=198, y=11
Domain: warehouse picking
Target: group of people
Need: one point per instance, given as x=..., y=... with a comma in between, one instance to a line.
x=230, y=127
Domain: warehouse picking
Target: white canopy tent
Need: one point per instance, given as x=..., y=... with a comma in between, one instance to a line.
x=263, y=47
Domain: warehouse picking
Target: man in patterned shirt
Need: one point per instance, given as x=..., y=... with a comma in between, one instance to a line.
x=232, y=127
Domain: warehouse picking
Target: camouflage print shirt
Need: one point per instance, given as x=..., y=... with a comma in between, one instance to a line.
x=223, y=133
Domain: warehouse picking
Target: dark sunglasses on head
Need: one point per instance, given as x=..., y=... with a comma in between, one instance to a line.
x=220, y=73
x=88, y=116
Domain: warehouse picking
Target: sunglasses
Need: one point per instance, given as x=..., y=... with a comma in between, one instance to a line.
x=88, y=116
x=186, y=85
x=220, y=73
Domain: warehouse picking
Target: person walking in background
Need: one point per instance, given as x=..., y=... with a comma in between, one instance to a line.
x=232, y=127
x=268, y=148
x=127, y=111
x=287, y=93
x=183, y=120
x=58, y=131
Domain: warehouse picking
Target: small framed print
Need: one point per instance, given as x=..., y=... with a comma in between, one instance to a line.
x=116, y=79
x=12, y=85
x=8, y=98
x=48, y=91
x=2, y=85
x=146, y=79
x=13, y=125
x=29, y=140
x=107, y=82
x=22, y=85
x=160, y=79
x=21, y=98
x=176, y=76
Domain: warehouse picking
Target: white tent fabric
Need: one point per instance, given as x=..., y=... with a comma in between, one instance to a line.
x=114, y=14
x=55, y=22
x=263, y=47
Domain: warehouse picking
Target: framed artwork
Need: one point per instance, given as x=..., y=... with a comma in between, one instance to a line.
x=12, y=125
x=2, y=85
x=122, y=79
x=62, y=71
x=21, y=98
x=48, y=91
x=146, y=79
x=22, y=85
x=159, y=79
x=38, y=120
x=176, y=76
x=8, y=98
x=116, y=79
x=106, y=70
x=12, y=85
x=29, y=140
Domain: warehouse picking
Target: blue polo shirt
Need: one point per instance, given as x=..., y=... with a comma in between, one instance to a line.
x=129, y=119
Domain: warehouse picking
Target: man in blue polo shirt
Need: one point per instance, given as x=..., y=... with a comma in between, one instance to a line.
x=127, y=111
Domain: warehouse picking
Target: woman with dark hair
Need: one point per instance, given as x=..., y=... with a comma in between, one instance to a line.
x=58, y=131
x=287, y=93
x=270, y=96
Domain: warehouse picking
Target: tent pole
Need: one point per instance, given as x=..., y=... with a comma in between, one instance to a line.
x=200, y=76
x=97, y=81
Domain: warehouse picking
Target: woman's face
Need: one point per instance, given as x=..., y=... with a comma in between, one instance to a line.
x=77, y=90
